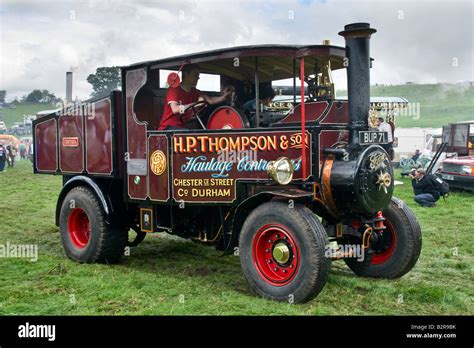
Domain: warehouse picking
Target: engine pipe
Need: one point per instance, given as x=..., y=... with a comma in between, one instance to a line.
x=357, y=37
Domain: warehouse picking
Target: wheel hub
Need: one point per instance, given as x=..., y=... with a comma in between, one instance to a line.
x=281, y=253
x=275, y=254
x=79, y=228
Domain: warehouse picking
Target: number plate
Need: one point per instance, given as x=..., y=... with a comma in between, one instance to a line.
x=372, y=137
x=447, y=177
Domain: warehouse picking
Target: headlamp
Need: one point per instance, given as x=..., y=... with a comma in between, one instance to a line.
x=281, y=170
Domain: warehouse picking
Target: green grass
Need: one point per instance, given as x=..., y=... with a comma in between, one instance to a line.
x=11, y=116
x=439, y=104
x=164, y=270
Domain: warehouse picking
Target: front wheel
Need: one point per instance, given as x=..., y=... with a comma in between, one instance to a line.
x=85, y=234
x=282, y=252
x=398, y=250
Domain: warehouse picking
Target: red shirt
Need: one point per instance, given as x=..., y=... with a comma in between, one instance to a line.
x=182, y=97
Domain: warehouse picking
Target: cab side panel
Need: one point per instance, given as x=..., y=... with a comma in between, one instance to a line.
x=136, y=138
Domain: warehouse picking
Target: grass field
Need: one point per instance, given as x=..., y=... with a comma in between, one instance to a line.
x=171, y=276
x=439, y=104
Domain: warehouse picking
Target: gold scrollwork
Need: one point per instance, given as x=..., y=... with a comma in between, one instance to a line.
x=158, y=162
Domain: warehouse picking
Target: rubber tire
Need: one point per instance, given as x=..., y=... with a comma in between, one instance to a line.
x=406, y=252
x=106, y=244
x=311, y=239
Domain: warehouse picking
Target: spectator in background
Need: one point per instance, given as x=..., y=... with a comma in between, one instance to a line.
x=425, y=188
x=30, y=152
x=416, y=155
x=9, y=150
x=3, y=157
x=22, y=150
x=13, y=153
x=383, y=126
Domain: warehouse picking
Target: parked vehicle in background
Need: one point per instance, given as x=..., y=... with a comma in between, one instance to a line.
x=459, y=172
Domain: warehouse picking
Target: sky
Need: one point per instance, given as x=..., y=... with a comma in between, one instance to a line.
x=419, y=41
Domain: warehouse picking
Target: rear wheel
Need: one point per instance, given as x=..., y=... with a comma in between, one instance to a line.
x=397, y=252
x=85, y=235
x=282, y=252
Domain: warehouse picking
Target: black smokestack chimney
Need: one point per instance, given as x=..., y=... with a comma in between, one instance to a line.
x=357, y=37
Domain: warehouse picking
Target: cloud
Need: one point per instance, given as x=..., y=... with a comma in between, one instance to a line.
x=421, y=41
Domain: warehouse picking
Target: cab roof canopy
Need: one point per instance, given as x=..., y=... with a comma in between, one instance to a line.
x=275, y=62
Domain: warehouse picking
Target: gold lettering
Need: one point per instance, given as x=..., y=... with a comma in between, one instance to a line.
x=178, y=144
x=191, y=143
x=213, y=144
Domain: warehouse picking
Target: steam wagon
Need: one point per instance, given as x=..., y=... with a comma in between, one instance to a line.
x=287, y=189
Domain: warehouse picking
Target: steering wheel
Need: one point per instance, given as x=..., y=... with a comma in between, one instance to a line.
x=196, y=108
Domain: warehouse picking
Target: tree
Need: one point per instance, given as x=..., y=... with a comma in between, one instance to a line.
x=3, y=94
x=41, y=96
x=48, y=98
x=34, y=97
x=105, y=79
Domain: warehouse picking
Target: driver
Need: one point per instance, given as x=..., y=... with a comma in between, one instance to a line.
x=179, y=98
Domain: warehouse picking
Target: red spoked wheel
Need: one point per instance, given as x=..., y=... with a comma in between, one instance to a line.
x=282, y=252
x=79, y=228
x=397, y=249
x=86, y=234
x=275, y=254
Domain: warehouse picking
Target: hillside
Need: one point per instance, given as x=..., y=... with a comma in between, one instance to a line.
x=440, y=104
x=11, y=116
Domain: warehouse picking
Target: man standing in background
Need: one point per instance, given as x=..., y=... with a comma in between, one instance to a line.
x=383, y=126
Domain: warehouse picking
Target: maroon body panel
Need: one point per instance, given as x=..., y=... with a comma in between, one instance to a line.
x=98, y=120
x=321, y=111
x=136, y=138
x=337, y=113
x=158, y=170
x=46, y=149
x=313, y=112
x=71, y=152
